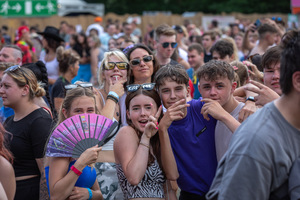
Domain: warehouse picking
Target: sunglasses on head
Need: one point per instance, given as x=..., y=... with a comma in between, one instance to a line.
x=84, y=85
x=137, y=61
x=12, y=68
x=112, y=65
x=135, y=87
x=166, y=44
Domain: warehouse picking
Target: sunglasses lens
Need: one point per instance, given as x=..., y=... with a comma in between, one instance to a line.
x=165, y=44
x=147, y=58
x=110, y=65
x=122, y=65
x=148, y=86
x=173, y=45
x=70, y=87
x=132, y=88
x=135, y=62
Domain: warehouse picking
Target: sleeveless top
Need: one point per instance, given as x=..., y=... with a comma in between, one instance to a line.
x=85, y=180
x=151, y=186
x=52, y=66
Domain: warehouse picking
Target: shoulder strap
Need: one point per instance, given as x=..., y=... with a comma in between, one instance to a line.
x=48, y=111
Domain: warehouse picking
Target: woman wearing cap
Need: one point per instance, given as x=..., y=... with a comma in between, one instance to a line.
x=51, y=41
x=68, y=68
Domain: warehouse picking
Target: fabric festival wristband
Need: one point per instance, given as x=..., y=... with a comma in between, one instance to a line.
x=75, y=170
x=112, y=98
x=90, y=193
x=114, y=94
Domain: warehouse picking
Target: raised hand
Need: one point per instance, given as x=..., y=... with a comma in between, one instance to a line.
x=152, y=125
x=254, y=73
x=265, y=94
x=117, y=87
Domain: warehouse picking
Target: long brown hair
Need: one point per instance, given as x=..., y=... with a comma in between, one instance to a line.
x=3, y=150
x=154, y=141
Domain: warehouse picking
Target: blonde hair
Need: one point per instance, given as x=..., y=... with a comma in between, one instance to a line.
x=66, y=58
x=242, y=72
x=71, y=95
x=120, y=55
x=95, y=39
x=23, y=76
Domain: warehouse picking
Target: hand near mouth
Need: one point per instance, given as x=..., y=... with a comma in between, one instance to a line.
x=117, y=87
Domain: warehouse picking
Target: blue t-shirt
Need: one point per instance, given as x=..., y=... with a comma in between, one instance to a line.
x=195, y=81
x=193, y=144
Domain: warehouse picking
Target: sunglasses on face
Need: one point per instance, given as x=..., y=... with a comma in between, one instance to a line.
x=84, y=85
x=166, y=44
x=137, y=61
x=135, y=87
x=112, y=65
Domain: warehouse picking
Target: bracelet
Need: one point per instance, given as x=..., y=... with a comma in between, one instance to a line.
x=75, y=170
x=90, y=193
x=112, y=93
x=145, y=145
x=112, y=98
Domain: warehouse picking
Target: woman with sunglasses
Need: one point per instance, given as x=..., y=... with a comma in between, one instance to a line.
x=68, y=178
x=68, y=68
x=144, y=158
x=143, y=64
x=113, y=74
x=29, y=126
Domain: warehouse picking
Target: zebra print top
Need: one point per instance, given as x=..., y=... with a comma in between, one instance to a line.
x=151, y=186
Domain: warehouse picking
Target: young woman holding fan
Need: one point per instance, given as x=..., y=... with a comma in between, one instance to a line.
x=144, y=159
x=69, y=178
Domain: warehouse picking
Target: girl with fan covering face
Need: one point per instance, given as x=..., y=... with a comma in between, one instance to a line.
x=112, y=76
x=30, y=126
x=64, y=184
x=142, y=150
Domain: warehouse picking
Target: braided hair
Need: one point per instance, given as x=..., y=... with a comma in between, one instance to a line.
x=40, y=71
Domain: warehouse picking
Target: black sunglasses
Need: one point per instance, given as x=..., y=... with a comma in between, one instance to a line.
x=112, y=65
x=137, y=61
x=135, y=87
x=166, y=44
x=84, y=85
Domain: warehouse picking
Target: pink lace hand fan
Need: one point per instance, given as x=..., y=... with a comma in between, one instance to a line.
x=78, y=133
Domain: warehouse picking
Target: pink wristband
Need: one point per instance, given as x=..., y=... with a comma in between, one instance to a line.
x=75, y=170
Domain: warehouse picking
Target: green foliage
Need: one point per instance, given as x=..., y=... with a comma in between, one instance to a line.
x=206, y=6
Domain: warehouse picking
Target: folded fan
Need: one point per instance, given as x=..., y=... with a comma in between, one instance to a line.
x=78, y=133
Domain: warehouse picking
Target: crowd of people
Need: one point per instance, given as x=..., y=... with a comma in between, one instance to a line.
x=208, y=114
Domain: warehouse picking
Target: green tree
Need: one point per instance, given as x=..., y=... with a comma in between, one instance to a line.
x=206, y=6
